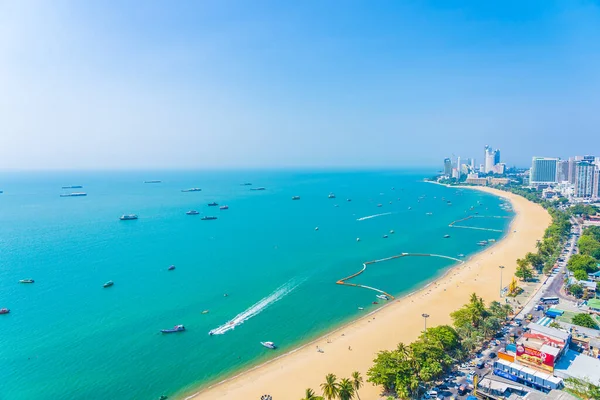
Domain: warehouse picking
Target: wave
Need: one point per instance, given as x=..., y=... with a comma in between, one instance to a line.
x=256, y=309
x=373, y=216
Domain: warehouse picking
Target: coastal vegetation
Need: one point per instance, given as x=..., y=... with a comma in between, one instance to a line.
x=410, y=369
x=584, y=320
x=583, y=389
x=346, y=389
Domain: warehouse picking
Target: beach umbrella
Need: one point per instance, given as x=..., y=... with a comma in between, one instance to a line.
x=266, y=397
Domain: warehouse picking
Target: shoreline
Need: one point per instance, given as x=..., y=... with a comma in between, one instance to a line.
x=287, y=375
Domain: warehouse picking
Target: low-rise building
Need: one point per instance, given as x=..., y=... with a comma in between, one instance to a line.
x=579, y=366
x=524, y=375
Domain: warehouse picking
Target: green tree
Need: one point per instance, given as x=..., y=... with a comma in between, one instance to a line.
x=445, y=335
x=535, y=260
x=523, y=271
x=345, y=389
x=580, y=275
x=582, y=388
x=588, y=245
x=582, y=261
x=555, y=324
x=357, y=382
x=593, y=231
x=330, y=387
x=310, y=395
x=576, y=289
x=584, y=320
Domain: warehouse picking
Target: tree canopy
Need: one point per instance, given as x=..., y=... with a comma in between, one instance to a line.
x=584, y=320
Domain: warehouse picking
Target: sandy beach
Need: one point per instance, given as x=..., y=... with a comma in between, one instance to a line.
x=288, y=376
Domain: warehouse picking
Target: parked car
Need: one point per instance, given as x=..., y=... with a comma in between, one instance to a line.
x=493, y=355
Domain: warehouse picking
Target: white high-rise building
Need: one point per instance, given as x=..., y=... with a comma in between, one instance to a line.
x=488, y=159
x=458, y=169
x=584, y=180
x=543, y=170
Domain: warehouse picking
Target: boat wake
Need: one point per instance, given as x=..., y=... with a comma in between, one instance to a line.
x=256, y=309
x=373, y=216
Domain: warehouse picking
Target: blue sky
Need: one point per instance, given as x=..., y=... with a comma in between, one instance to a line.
x=226, y=84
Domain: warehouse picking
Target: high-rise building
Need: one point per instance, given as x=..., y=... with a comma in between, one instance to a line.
x=472, y=164
x=562, y=173
x=572, y=165
x=584, y=179
x=596, y=185
x=447, y=167
x=458, y=167
x=488, y=159
x=497, y=157
x=543, y=170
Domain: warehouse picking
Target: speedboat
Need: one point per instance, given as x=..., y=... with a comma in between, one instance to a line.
x=224, y=208
x=295, y=197
x=258, y=188
x=171, y=268
x=153, y=181
x=382, y=297
x=379, y=205
x=192, y=212
x=108, y=284
x=176, y=328
x=446, y=236
x=72, y=187
x=348, y=199
x=213, y=204
x=75, y=194
x=385, y=236
x=26, y=281
x=461, y=255
x=361, y=308
x=429, y=213
x=4, y=310
x=269, y=345
x=246, y=184
x=331, y=196
x=208, y=218
x=205, y=312
x=128, y=217
x=410, y=208
x=392, y=231
x=191, y=190
x=317, y=228
x=358, y=239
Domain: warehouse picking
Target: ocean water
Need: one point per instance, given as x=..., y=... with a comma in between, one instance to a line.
x=69, y=338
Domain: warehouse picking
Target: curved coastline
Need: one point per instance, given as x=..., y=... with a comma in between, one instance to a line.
x=287, y=375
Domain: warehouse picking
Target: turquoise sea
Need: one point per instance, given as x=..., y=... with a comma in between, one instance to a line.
x=67, y=337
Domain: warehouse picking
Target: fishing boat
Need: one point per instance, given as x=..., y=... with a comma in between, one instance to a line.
x=191, y=190
x=331, y=196
x=176, y=328
x=128, y=217
x=208, y=218
x=269, y=345
x=26, y=281
x=224, y=208
x=108, y=284
x=171, y=268
x=213, y=204
x=74, y=194
x=192, y=212
x=4, y=310
x=382, y=297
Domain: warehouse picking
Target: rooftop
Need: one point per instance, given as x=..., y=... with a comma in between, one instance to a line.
x=594, y=303
x=551, y=333
x=552, y=395
x=577, y=365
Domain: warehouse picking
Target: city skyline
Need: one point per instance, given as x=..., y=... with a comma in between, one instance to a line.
x=87, y=85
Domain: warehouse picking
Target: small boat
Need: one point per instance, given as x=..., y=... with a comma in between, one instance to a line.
x=374, y=302
x=382, y=297
x=246, y=184
x=446, y=236
x=207, y=218
x=213, y=204
x=73, y=187
x=225, y=295
x=4, y=310
x=392, y=231
x=379, y=205
x=385, y=236
x=390, y=202
x=163, y=397
x=348, y=199
x=192, y=212
x=335, y=205
x=358, y=239
x=295, y=197
x=154, y=181
x=317, y=228
x=258, y=188
x=224, y=208
x=75, y=194
x=491, y=240
x=269, y=345
x=461, y=255
x=176, y=328
x=171, y=268
x=191, y=190
x=205, y=312
x=26, y=281
x=128, y=217
x=108, y=284
x=361, y=308
x=331, y=196
x=410, y=208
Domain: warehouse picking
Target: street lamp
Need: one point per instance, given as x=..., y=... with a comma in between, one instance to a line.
x=425, y=316
x=501, y=268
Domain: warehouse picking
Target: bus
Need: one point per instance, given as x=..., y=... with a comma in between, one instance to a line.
x=549, y=300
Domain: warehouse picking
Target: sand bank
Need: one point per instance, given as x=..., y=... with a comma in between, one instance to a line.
x=289, y=375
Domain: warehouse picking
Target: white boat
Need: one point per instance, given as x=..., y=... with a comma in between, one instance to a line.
x=192, y=212
x=269, y=345
x=382, y=297
x=75, y=194
x=128, y=217
x=331, y=196
x=361, y=308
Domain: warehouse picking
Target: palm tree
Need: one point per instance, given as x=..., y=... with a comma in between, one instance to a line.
x=357, y=382
x=330, y=387
x=345, y=389
x=310, y=395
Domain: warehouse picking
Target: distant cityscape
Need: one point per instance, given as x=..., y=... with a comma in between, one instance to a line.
x=577, y=179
